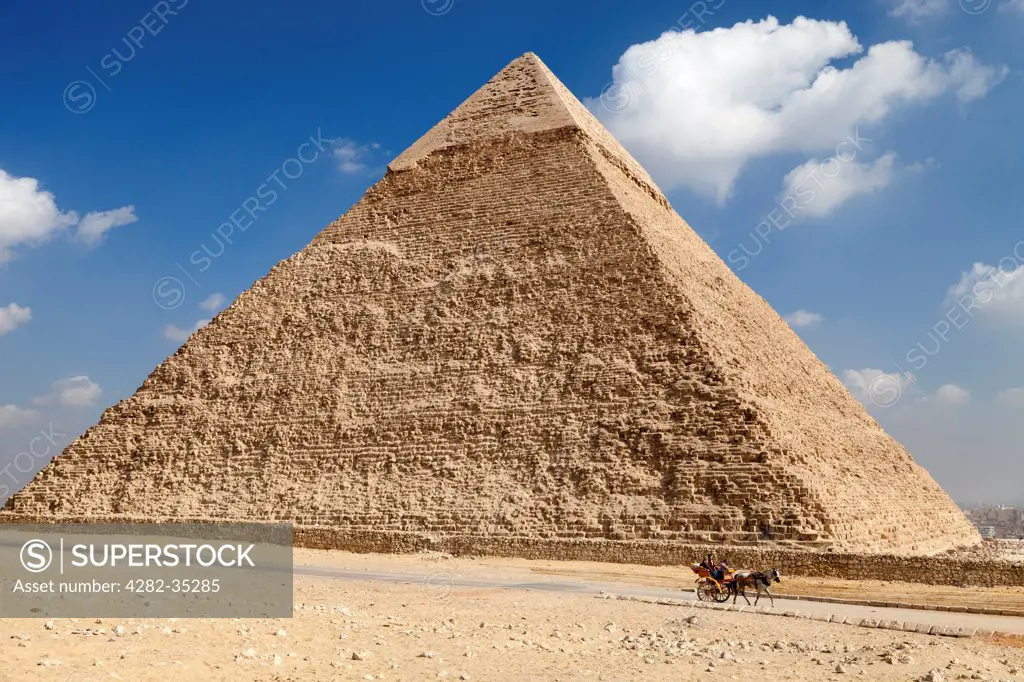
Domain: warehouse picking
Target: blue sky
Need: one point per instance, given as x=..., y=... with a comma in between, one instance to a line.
x=116, y=167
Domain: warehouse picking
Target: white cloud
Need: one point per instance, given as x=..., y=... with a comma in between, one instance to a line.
x=94, y=225
x=212, y=302
x=951, y=394
x=175, y=333
x=818, y=187
x=876, y=388
x=992, y=291
x=917, y=10
x=894, y=390
x=701, y=105
x=803, y=318
x=1013, y=5
x=969, y=79
x=12, y=317
x=928, y=164
x=12, y=415
x=29, y=217
x=78, y=391
x=352, y=157
x=1011, y=397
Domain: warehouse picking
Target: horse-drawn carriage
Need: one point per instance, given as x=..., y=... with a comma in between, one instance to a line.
x=734, y=583
x=709, y=589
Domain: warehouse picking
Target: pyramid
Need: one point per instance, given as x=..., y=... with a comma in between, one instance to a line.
x=512, y=334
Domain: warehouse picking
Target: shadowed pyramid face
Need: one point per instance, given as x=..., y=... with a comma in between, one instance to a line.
x=514, y=334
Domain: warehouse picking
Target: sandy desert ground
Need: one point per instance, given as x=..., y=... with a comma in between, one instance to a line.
x=361, y=630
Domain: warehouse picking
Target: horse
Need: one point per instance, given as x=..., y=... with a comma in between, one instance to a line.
x=760, y=580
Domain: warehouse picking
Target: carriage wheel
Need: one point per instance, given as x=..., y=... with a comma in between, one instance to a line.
x=722, y=595
x=708, y=591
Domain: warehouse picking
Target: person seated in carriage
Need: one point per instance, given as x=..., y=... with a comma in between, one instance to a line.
x=708, y=564
x=719, y=573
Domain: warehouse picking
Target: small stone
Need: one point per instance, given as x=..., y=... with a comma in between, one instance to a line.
x=281, y=633
x=50, y=625
x=120, y=631
x=360, y=655
x=840, y=668
x=49, y=662
x=427, y=654
x=249, y=653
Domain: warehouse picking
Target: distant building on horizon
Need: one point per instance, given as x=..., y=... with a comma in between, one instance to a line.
x=1006, y=521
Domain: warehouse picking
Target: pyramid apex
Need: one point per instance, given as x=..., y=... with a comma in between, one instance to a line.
x=524, y=97
x=519, y=98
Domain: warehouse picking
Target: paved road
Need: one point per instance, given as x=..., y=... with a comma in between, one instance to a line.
x=451, y=578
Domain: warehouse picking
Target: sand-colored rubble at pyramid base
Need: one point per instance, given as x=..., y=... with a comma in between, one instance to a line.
x=512, y=333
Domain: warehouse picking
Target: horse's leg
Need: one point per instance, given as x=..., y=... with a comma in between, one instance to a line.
x=768, y=590
x=742, y=589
